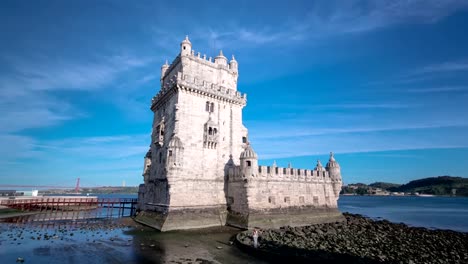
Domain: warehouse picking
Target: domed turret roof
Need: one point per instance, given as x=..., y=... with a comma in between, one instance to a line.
x=186, y=41
x=332, y=163
x=319, y=166
x=248, y=153
x=175, y=142
x=233, y=59
x=221, y=55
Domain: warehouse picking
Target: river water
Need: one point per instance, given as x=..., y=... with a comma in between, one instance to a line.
x=122, y=241
x=431, y=212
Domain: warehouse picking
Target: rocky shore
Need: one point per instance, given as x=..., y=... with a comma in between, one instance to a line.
x=359, y=240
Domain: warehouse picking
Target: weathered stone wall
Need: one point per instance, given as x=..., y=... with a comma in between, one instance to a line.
x=201, y=178
x=205, y=70
x=269, y=197
x=200, y=165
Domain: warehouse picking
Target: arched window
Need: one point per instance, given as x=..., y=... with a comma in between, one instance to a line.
x=207, y=107
x=212, y=107
x=249, y=163
x=215, y=131
x=210, y=131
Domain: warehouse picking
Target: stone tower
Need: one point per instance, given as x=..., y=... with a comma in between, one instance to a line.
x=197, y=127
x=201, y=170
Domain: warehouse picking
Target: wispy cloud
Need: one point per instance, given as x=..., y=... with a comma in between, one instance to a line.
x=360, y=16
x=367, y=106
x=105, y=157
x=103, y=147
x=263, y=132
x=47, y=74
x=454, y=66
x=442, y=89
x=27, y=109
x=419, y=80
x=327, y=19
x=357, y=143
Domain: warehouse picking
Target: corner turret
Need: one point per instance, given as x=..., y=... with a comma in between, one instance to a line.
x=220, y=59
x=319, y=166
x=333, y=167
x=233, y=65
x=185, y=47
x=334, y=171
x=249, y=162
x=164, y=70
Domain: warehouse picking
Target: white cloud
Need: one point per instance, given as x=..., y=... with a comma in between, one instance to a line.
x=46, y=74
x=324, y=19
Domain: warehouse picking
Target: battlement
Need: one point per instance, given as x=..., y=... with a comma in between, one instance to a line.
x=273, y=173
x=222, y=65
x=231, y=67
x=196, y=85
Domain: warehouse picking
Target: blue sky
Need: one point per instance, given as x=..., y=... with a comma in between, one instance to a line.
x=384, y=84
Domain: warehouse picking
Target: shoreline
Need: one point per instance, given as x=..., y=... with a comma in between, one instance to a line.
x=358, y=240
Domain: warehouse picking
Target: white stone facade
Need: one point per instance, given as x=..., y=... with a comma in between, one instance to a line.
x=200, y=169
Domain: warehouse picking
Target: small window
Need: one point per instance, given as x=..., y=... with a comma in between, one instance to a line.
x=184, y=47
x=212, y=107
x=271, y=200
x=215, y=131
x=301, y=199
x=207, y=106
x=316, y=200
x=210, y=131
x=170, y=153
x=249, y=163
x=286, y=199
x=244, y=139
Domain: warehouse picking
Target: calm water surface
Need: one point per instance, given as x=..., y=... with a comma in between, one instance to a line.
x=431, y=212
x=97, y=242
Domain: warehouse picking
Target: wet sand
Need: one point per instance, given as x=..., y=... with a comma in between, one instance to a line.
x=116, y=241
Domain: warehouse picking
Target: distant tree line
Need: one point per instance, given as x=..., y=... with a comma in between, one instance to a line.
x=441, y=185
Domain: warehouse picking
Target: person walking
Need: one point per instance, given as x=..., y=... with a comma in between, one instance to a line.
x=255, y=237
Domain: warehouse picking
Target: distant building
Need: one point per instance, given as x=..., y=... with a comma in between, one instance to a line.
x=201, y=170
x=7, y=193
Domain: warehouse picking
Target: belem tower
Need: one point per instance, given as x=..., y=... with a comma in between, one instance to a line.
x=201, y=170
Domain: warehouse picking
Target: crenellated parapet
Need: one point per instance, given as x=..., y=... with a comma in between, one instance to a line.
x=191, y=84
x=201, y=76
x=220, y=62
x=273, y=173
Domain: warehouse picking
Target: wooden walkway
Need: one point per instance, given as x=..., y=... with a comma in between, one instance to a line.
x=73, y=207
